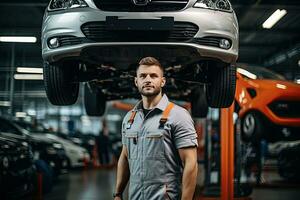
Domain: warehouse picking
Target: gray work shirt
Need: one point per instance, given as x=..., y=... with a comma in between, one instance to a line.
x=154, y=162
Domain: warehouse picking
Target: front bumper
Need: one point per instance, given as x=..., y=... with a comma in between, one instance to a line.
x=210, y=23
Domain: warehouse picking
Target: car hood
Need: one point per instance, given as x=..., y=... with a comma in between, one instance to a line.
x=277, y=85
x=67, y=144
x=41, y=138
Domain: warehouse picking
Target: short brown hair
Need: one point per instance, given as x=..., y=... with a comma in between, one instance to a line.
x=150, y=61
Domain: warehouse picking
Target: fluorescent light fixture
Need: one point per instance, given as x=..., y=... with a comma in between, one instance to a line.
x=18, y=39
x=5, y=103
x=298, y=81
x=28, y=76
x=30, y=70
x=274, y=18
x=246, y=73
x=21, y=114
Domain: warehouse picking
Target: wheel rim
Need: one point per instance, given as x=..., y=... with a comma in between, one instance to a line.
x=249, y=125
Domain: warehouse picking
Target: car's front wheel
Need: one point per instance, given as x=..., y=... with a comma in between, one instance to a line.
x=60, y=81
x=220, y=90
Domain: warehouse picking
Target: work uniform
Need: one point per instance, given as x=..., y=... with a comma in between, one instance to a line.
x=152, y=143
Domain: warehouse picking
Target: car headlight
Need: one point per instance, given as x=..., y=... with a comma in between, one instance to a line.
x=222, y=5
x=66, y=4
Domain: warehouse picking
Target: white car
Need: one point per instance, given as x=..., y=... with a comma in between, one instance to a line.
x=77, y=156
x=101, y=42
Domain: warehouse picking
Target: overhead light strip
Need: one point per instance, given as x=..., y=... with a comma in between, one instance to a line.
x=274, y=18
x=5, y=103
x=28, y=76
x=24, y=39
x=30, y=70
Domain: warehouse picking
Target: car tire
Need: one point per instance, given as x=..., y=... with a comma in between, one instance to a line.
x=220, y=90
x=94, y=102
x=199, y=105
x=288, y=163
x=252, y=127
x=60, y=83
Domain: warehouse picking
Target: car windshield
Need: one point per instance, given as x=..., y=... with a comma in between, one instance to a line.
x=259, y=73
x=30, y=127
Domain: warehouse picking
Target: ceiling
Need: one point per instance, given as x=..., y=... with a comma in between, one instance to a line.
x=277, y=48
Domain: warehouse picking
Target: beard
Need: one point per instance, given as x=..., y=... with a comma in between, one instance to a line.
x=149, y=93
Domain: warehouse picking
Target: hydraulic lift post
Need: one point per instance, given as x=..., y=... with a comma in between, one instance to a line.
x=227, y=154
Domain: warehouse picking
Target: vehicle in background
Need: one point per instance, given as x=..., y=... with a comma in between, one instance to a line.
x=76, y=155
x=288, y=162
x=267, y=104
x=87, y=141
x=18, y=175
x=43, y=148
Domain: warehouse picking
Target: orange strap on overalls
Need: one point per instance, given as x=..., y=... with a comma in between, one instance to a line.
x=166, y=113
x=131, y=119
x=162, y=120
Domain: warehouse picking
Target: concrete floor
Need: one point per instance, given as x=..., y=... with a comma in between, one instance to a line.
x=99, y=185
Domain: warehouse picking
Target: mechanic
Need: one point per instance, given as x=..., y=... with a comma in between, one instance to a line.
x=159, y=143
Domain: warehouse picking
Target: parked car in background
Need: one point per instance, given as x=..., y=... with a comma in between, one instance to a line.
x=17, y=172
x=43, y=148
x=101, y=42
x=288, y=161
x=76, y=155
x=268, y=105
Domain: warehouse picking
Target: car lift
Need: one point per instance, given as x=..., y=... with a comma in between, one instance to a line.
x=227, y=144
x=227, y=154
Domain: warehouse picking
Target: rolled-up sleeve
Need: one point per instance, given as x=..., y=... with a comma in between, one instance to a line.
x=184, y=130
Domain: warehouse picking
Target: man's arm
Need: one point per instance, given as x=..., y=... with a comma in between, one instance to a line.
x=122, y=172
x=189, y=159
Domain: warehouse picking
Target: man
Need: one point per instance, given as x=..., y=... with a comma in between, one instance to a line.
x=103, y=144
x=159, y=143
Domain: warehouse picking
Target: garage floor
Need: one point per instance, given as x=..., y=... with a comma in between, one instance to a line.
x=99, y=185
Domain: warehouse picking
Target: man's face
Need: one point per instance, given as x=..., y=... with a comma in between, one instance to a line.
x=149, y=80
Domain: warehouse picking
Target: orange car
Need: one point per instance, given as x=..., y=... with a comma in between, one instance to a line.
x=267, y=104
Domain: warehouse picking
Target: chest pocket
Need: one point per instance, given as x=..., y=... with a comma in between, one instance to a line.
x=132, y=144
x=154, y=145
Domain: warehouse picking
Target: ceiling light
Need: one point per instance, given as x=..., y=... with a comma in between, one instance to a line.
x=298, y=81
x=5, y=103
x=30, y=70
x=21, y=114
x=28, y=76
x=274, y=18
x=17, y=39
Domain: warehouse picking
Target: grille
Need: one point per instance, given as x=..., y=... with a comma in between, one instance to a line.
x=286, y=109
x=129, y=6
x=209, y=41
x=182, y=31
